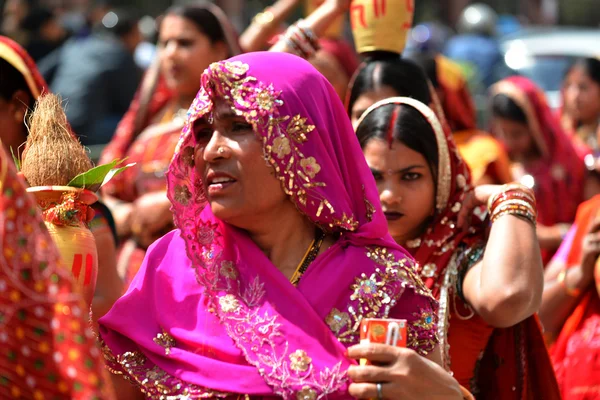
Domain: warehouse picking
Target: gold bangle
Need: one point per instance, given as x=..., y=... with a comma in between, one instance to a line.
x=264, y=18
x=562, y=278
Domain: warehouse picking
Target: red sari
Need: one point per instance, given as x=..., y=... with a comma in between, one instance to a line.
x=559, y=174
x=471, y=348
x=576, y=353
x=484, y=155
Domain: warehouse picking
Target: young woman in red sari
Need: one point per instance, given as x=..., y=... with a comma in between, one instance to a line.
x=542, y=157
x=488, y=285
x=191, y=37
x=580, y=113
x=570, y=308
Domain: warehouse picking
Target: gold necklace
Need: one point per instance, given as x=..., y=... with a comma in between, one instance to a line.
x=309, y=257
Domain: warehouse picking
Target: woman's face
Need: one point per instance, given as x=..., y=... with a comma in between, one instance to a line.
x=241, y=187
x=582, y=96
x=367, y=99
x=12, y=121
x=516, y=137
x=406, y=187
x=185, y=53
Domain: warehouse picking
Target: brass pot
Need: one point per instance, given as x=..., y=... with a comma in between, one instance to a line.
x=64, y=210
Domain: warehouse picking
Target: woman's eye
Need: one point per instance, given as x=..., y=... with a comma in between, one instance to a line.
x=240, y=126
x=411, y=176
x=186, y=42
x=377, y=175
x=203, y=134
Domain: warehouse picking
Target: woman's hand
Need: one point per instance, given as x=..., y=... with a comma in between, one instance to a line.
x=478, y=197
x=590, y=251
x=151, y=217
x=402, y=372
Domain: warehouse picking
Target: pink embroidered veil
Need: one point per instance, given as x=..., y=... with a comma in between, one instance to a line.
x=209, y=314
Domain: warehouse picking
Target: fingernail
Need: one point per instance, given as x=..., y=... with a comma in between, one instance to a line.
x=346, y=353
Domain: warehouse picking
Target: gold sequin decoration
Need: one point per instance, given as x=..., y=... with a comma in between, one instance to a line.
x=300, y=361
x=337, y=320
x=281, y=147
x=298, y=128
x=307, y=393
x=229, y=303
x=165, y=340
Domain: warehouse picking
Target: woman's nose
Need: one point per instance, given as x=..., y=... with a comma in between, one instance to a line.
x=389, y=194
x=215, y=148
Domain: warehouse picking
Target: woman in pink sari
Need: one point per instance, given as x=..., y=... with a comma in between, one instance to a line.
x=542, y=157
x=281, y=250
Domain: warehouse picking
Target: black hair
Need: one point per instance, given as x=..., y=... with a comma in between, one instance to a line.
x=36, y=18
x=427, y=61
x=404, y=124
x=11, y=81
x=203, y=18
x=387, y=69
x=505, y=107
x=591, y=67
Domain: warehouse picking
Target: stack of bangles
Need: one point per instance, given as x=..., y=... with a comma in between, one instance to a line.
x=301, y=40
x=516, y=200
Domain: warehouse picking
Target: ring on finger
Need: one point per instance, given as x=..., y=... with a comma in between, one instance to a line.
x=379, y=391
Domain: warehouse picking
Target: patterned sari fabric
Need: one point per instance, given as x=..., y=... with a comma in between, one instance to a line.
x=577, y=349
x=444, y=254
x=48, y=351
x=150, y=144
x=209, y=314
x=484, y=155
x=559, y=175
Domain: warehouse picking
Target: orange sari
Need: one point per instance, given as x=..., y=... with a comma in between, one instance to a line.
x=484, y=155
x=576, y=353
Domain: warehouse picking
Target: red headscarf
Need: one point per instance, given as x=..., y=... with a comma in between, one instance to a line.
x=16, y=56
x=559, y=175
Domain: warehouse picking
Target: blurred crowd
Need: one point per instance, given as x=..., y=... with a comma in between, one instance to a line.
x=128, y=81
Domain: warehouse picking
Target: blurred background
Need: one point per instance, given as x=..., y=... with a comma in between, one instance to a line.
x=535, y=38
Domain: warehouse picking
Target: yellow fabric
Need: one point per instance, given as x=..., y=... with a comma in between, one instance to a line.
x=479, y=150
x=449, y=73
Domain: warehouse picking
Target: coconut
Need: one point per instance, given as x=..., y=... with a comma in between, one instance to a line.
x=53, y=156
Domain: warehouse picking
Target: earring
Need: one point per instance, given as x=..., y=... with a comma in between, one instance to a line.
x=20, y=116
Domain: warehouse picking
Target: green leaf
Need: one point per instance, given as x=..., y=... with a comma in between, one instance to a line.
x=15, y=159
x=96, y=177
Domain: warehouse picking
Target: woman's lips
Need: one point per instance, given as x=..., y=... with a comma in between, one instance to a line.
x=392, y=215
x=219, y=185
